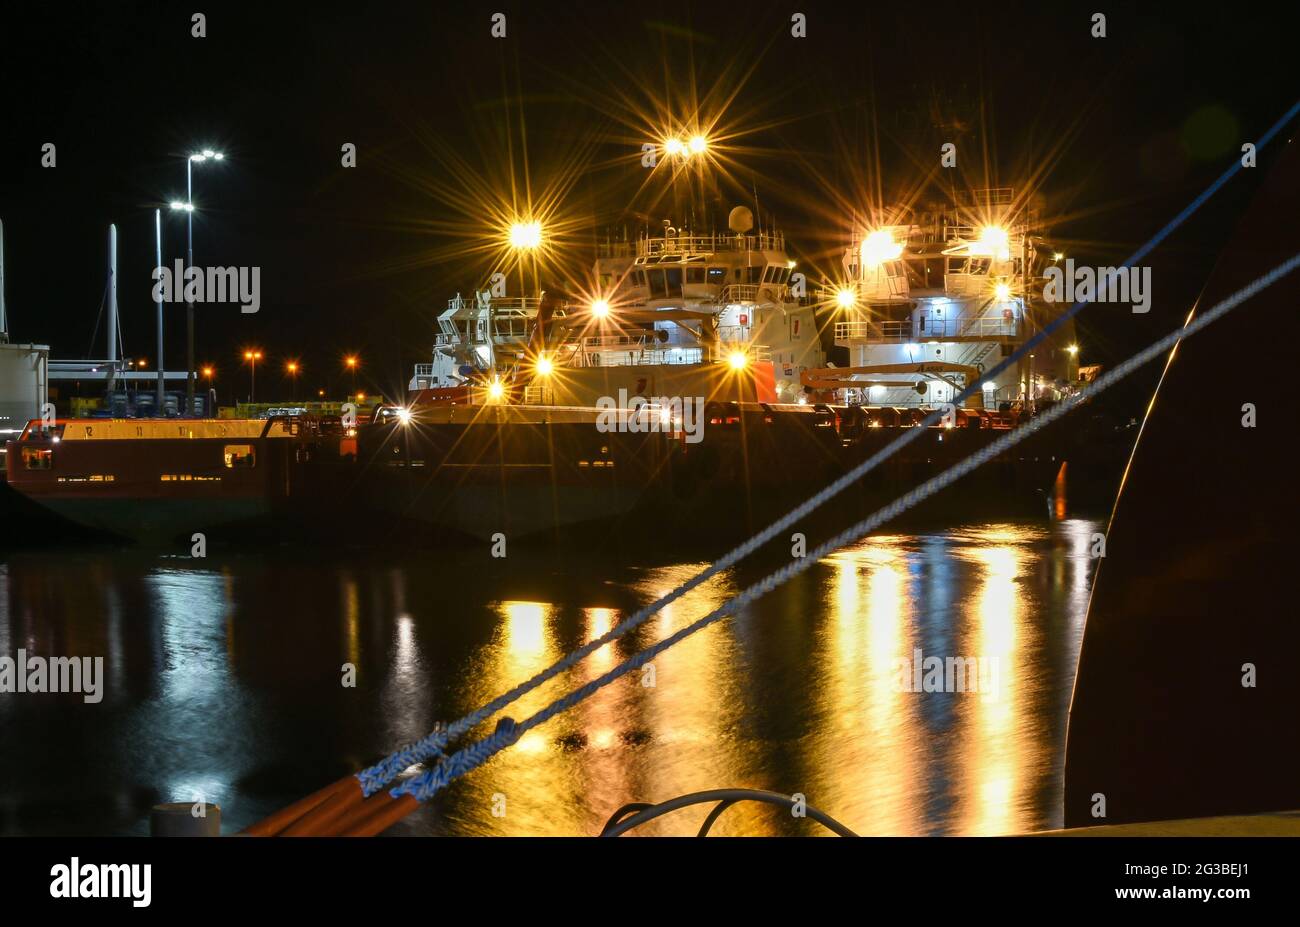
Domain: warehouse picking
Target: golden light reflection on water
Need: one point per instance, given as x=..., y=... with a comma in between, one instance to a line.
x=993, y=778
x=866, y=718
x=804, y=692
x=800, y=693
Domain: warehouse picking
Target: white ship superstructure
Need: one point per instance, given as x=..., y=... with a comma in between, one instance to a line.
x=671, y=304
x=935, y=300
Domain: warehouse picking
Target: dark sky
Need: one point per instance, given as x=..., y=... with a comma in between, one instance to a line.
x=1117, y=133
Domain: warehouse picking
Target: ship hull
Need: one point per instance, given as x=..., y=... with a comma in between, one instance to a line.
x=507, y=472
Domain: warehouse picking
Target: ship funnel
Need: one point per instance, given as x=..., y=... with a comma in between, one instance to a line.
x=740, y=220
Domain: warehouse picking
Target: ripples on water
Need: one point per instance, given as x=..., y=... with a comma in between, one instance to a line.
x=223, y=680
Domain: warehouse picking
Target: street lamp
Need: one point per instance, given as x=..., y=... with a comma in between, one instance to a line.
x=252, y=357
x=292, y=367
x=351, y=363
x=188, y=206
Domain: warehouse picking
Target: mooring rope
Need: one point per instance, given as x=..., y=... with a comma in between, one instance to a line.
x=385, y=771
x=423, y=786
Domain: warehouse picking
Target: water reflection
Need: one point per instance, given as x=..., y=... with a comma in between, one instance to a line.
x=226, y=678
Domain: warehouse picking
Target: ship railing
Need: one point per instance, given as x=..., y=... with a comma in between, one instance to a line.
x=905, y=331
x=734, y=293
x=986, y=196
x=697, y=244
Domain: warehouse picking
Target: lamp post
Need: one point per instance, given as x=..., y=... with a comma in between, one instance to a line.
x=351, y=362
x=188, y=206
x=292, y=367
x=252, y=357
x=207, y=375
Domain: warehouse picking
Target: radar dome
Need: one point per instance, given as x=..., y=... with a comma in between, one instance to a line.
x=740, y=220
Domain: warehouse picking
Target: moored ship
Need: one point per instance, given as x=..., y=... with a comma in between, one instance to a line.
x=160, y=480
x=713, y=341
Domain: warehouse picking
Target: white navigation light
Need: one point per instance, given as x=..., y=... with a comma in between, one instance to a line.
x=1073, y=349
x=674, y=146
x=845, y=298
x=879, y=247
x=526, y=235
x=698, y=144
x=600, y=308
x=404, y=416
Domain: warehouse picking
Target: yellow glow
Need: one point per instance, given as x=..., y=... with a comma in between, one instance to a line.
x=879, y=247
x=698, y=144
x=544, y=366
x=738, y=360
x=674, y=146
x=1002, y=291
x=993, y=237
x=526, y=235
x=600, y=308
x=351, y=362
x=496, y=390
x=1057, y=256
x=1073, y=349
x=845, y=298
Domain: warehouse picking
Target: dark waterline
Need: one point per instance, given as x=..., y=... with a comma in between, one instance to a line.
x=223, y=682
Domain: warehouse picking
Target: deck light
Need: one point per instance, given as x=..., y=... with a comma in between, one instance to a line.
x=544, y=366
x=600, y=308
x=526, y=236
x=698, y=144
x=879, y=247
x=738, y=360
x=845, y=298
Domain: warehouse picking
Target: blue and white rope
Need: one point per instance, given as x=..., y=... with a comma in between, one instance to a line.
x=386, y=770
x=426, y=784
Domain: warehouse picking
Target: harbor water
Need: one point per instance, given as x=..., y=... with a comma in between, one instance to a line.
x=250, y=678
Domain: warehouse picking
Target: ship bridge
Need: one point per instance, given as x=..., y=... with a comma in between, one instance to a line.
x=948, y=283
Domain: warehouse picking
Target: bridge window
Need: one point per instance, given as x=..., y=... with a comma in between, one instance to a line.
x=717, y=276
x=695, y=275
x=35, y=458
x=240, y=457
x=753, y=274
x=674, y=276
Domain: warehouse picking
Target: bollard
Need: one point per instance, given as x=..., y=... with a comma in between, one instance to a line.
x=185, y=819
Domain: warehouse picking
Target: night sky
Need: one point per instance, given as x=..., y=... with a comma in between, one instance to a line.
x=1117, y=133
